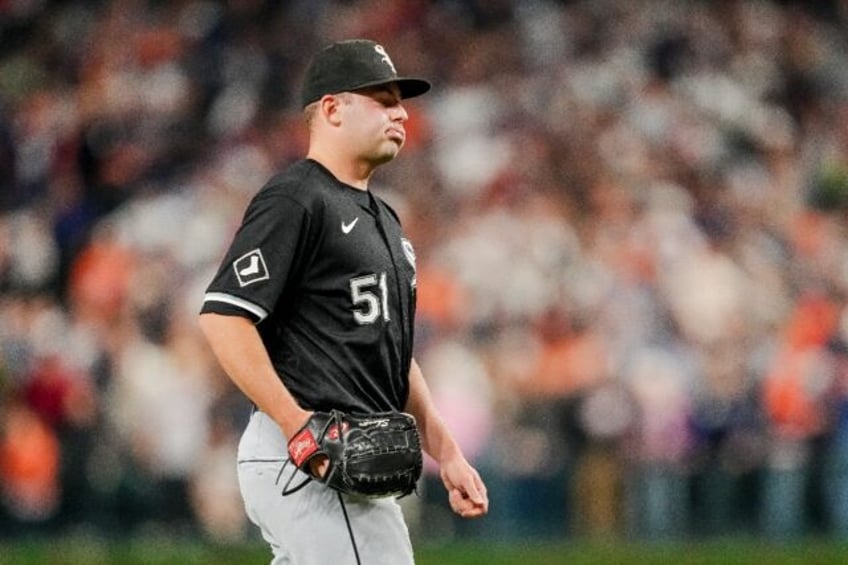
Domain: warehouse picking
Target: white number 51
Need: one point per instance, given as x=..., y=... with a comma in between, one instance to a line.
x=369, y=294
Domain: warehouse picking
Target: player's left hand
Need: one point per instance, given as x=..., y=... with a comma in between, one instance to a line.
x=319, y=465
x=466, y=492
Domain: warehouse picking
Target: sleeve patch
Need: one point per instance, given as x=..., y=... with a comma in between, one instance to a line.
x=251, y=268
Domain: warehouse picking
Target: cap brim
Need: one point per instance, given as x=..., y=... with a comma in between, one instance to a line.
x=412, y=87
x=409, y=87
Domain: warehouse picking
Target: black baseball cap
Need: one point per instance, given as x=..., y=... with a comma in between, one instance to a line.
x=353, y=64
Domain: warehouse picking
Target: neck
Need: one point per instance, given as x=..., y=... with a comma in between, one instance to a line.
x=349, y=171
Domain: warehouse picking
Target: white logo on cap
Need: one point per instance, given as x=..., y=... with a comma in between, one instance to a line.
x=385, y=57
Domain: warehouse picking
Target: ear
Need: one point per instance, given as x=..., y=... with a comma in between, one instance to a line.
x=329, y=106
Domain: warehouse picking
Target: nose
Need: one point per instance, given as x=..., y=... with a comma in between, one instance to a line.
x=399, y=113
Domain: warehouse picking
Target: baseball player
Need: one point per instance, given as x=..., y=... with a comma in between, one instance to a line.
x=313, y=310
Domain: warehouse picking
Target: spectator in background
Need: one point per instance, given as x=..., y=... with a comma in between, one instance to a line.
x=29, y=467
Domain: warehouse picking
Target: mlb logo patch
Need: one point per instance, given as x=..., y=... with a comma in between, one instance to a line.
x=251, y=268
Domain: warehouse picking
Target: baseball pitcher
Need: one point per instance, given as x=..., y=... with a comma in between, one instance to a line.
x=311, y=314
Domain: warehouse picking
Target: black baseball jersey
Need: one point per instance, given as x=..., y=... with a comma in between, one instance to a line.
x=326, y=273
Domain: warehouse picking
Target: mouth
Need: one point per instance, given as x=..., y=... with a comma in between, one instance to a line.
x=396, y=134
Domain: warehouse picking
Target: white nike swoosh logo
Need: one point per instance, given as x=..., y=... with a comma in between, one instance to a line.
x=347, y=227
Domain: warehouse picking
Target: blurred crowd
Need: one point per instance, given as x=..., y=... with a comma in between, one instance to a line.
x=631, y=235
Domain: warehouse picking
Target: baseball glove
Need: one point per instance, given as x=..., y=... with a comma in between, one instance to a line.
x=372, y=455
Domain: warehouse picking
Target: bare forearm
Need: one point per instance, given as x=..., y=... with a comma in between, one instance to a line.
x=435, y=435
x=239, y=350
x=466, y=491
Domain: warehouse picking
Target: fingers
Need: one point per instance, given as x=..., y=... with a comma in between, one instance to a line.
x=467, y=493
x=462, y=504
x=318, y=466
x=477, y=491
x=469, y=500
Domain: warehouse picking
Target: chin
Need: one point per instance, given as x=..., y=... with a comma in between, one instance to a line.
x=387, y=155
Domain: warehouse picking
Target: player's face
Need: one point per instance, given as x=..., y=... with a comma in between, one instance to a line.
x=375, y=119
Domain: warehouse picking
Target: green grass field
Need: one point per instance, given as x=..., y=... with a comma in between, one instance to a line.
x=90, y=552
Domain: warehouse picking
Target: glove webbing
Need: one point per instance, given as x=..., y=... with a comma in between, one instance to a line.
x=335, y=417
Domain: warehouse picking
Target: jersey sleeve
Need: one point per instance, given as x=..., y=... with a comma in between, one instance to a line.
x=264, y=254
